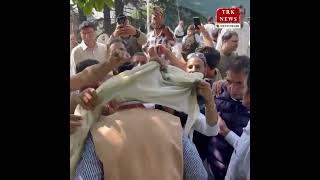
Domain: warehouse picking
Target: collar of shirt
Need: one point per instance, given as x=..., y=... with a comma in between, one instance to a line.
x=84, y=46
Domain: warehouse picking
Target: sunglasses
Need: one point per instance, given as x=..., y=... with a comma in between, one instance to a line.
x=198, y=55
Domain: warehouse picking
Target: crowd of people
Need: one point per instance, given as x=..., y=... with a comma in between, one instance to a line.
x=147, y=140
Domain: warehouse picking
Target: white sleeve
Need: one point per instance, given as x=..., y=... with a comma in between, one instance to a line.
x=219, y=40
x=72, y=63
x=176, y=31
x=199, y=39
x=184, y=39
x=232, y=138
x=246, y=165
x=202, y=127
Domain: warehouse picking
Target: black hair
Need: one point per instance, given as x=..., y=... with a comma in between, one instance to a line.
x=228, y=35
x=189, y=46
x=121, y=18
x=239, y=64
x=126, y=66
x=114, y=40
x=84, y=64
x=211, y=54
x=86, y=24
x=241, y=7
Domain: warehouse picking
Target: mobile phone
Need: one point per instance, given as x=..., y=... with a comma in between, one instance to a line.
x=196, y=21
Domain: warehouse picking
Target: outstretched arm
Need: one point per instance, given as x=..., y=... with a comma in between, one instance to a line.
x=98, y=71
x=206, y=37
x=204, y=90
x=172, y=58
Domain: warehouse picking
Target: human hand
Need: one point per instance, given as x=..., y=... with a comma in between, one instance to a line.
x=204, y=90
x=217, y=87
x=162, y=49
x=110, y=108
x=201, y=29
x=163, y=63
x=118, y=57
x=119, y=31
x=223, y=129
x=152, y=52
x=88, y=99
x=129, y=30
x=167, y=33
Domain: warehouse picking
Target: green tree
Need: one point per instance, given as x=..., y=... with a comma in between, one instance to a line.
x=82, y=16
x=88, y=5
x=118, y=7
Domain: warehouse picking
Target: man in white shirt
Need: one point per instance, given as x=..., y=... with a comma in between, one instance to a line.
x=179, y=32
x=239, y=166
x=210, y=26
x=88, y=48
x=243, y=33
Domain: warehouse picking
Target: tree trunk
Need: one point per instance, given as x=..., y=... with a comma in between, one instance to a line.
x=107, y=20
x=82, y=17
x=118, y=6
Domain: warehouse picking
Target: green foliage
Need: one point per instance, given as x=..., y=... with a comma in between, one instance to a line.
x=88, y=5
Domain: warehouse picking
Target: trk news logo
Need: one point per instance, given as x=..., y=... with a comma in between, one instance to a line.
x=228, y=18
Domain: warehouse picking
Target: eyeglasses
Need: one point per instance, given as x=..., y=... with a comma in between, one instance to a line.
x=198, y=55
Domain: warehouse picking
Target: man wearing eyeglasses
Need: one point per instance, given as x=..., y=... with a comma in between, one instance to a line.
x=243, y=33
